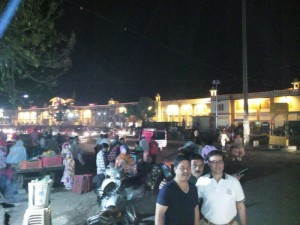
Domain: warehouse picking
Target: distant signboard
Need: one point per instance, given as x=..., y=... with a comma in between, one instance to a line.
x=279, y=108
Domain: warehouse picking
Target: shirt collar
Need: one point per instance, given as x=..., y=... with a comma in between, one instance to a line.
x=223, y=176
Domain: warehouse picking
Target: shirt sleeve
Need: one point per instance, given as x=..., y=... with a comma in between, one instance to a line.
x=240, y=196
x=163, y=196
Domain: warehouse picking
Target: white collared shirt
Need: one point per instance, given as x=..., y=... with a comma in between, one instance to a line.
x=219, y=198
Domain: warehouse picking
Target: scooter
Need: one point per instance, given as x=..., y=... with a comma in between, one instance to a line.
x=115, y=191
x=119, y=198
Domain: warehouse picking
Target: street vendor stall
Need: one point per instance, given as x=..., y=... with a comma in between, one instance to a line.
x=31, y=174
x=47, y=164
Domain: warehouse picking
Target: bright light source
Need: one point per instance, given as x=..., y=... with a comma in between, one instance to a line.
x=71, y=115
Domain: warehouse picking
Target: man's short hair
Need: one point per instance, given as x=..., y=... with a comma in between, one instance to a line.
x=196, y=157
x=104, y=145
x=178, y=159
x=215, y=152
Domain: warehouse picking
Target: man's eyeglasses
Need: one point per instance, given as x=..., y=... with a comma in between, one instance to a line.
x=217, y=161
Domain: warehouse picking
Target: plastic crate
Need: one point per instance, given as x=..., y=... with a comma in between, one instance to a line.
x=39, y=194
x=88, y=182
x=26, y=165
x=52, y=161
x=79, y=184
x=83, y=183
x=37, y=216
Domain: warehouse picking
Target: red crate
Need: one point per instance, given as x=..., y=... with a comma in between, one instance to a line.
x=88, y=182
x=79, y=184
x=83, y=183
x=26, y=165
x=52, y=161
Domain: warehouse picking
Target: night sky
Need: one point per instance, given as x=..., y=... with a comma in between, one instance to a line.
x=127, y=49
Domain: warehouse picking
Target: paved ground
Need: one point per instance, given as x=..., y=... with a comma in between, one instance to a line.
x=272, y=188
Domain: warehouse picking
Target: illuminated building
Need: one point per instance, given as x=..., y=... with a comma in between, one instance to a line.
x=230, y=110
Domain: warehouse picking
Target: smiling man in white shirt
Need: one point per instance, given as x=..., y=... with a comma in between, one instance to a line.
x=221, y=193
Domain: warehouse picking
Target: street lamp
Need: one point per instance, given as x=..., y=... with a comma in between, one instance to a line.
x=214, y=93
x=27, y=97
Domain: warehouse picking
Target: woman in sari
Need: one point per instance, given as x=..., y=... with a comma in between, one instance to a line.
x=126, y=161
x=69, y=163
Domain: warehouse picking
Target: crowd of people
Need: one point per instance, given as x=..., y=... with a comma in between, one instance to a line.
x=205, y=195
x=221, y=195
x=118, y=154
x=14, y=151
x=229, y=140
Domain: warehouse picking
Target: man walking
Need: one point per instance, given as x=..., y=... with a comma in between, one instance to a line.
x=222, y=194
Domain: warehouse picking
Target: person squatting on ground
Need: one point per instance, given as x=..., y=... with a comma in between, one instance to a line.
x=222, y=194
x=177, y=201
x=101, y=162
x=238, y=150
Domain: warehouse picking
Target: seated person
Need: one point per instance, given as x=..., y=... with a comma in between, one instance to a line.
x=137, y=153
x=126, y=161
x=137, y=147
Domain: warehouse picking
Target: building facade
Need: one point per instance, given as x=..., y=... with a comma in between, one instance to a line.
x=229, y=107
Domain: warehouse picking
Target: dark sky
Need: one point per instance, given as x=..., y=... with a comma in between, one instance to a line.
x=127, y=49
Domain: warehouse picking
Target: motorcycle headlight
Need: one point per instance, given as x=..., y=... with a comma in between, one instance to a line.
x=110, y=189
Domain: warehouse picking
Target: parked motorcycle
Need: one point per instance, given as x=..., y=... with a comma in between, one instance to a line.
x=122, y=199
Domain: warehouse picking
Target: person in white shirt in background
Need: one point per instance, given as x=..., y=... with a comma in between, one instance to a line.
x=223, y=138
